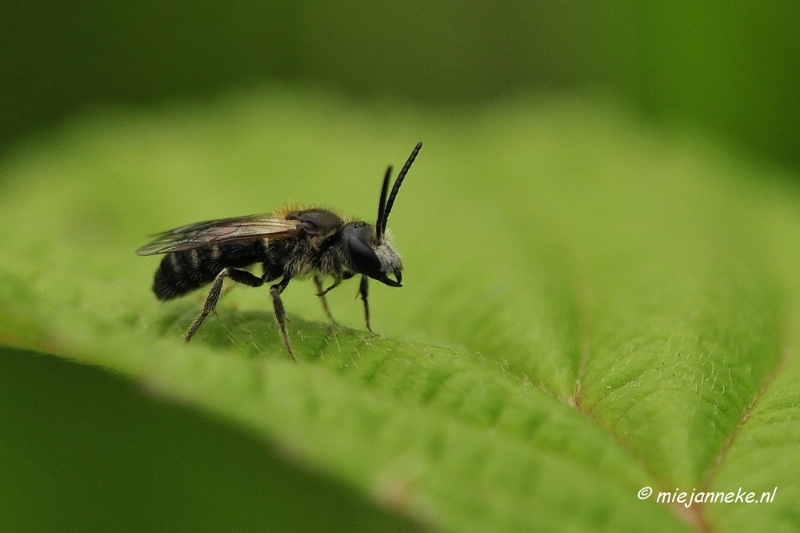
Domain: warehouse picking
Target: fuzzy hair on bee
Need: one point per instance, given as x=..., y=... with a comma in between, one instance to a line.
x=292, y=242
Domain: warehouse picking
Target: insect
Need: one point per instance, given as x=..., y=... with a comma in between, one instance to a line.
x=289, y=243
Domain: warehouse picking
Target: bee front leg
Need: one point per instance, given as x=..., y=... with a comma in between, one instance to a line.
x=363, y=291
x=280, y=314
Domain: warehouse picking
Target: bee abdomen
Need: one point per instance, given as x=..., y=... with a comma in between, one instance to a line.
x=185, y=271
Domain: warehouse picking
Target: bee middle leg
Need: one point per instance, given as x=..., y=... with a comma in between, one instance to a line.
x=321, y=293
x=280, y=314
x=240, y=276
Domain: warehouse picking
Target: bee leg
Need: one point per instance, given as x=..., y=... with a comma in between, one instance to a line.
x=246, y=278
x=363, y=291
x=280, y=314
x=321, y=294
x=240, y=276
x=211, y=303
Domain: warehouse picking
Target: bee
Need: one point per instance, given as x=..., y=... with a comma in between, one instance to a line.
x=289, y=243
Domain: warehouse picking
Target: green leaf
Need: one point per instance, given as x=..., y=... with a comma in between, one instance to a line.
x=591, y=305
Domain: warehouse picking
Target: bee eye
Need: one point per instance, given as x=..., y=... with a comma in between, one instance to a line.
x=364, y=258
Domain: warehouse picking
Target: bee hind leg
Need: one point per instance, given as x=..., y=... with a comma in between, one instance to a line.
x=240, y=276
x=211, y=303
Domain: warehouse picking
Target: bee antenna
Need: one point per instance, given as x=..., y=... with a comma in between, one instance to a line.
x=385, y=206
x=380, y=225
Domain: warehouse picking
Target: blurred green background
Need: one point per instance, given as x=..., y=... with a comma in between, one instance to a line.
x=732, y=68
x=84, y=450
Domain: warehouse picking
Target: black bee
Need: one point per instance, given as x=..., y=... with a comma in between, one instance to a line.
x=289, y=243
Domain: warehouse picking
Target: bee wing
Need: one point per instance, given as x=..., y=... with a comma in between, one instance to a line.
x=219, y=231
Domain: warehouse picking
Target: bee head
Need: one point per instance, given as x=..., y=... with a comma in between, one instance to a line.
x=371, y=251
x=371, y=256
